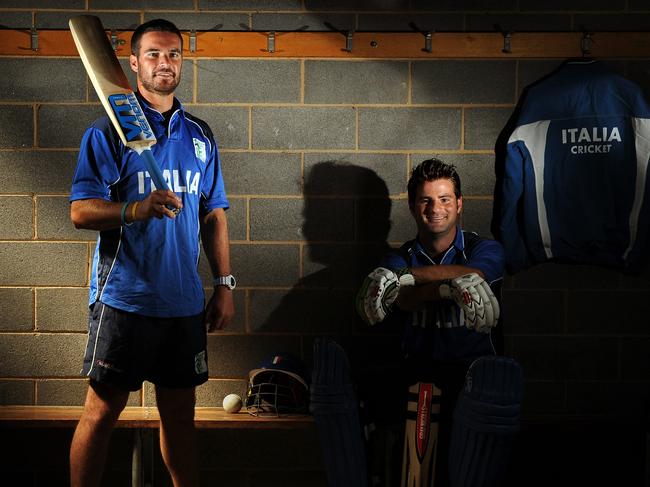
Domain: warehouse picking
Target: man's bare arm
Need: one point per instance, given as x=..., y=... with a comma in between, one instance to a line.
x=99, y=214
x=435, y=273
x=214, y=235
x=427, y=284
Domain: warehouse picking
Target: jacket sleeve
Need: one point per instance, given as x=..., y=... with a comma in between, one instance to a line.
x=510, y=189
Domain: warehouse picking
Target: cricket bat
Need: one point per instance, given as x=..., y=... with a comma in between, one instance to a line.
x=115, y=93
x=421, y=434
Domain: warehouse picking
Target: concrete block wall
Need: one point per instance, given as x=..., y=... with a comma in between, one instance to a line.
x=316, y=154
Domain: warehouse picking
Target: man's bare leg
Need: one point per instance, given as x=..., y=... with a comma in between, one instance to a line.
x=178, y=439
x=89, y=446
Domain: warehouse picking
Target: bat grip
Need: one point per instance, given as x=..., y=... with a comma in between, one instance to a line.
x=156, y=175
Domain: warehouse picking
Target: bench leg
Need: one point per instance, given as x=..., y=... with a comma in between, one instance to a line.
x=136, y=459
x=142, y=458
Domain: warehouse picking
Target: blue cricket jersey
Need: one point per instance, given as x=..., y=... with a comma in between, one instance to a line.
x=437, y=332
x=151, y=267
x=575, y=183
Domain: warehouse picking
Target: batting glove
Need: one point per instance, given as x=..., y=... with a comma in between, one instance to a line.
x=475, y=298
x=378, y=292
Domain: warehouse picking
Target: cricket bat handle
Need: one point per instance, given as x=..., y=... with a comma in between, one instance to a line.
x=156, y=175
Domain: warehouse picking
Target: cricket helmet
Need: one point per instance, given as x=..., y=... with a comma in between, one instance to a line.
x=278, y=387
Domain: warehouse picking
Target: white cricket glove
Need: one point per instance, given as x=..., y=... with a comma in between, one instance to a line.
x=378, y=292
x=474, y=296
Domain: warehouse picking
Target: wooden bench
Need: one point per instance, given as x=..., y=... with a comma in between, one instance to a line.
x=143, y=420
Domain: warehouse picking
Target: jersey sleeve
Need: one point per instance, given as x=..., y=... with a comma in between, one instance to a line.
x=213, y=190
x=96, y=167
x=488, y=256
x=393, y=261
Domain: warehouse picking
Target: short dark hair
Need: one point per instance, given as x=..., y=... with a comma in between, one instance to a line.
x=155, y=25
x=430, y=170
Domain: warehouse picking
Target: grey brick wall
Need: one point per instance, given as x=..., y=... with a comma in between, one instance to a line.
x=316, y=155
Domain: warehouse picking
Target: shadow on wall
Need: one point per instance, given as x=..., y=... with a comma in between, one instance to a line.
x=346, y=222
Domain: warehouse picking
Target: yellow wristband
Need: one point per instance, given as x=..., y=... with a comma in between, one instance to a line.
x=135, y=205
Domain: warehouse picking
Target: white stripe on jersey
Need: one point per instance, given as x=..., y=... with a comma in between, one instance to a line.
x=533, y=135
x=99, y=327
x=642, y=145
x=117, y=251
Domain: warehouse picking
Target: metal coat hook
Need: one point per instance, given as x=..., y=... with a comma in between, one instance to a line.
x=428, y=36
x=115, y=42
x=34, y=39
x=585, y=43
x=192, y=40
x=507, y=43
x=428, y=42
x=349, y=35
x=507, y=39
x=348, y=40
x=271, y=42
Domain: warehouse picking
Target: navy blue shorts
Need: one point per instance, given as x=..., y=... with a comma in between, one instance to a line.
x=125, y=349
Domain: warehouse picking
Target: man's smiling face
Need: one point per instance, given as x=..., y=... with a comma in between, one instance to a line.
x=436, y=208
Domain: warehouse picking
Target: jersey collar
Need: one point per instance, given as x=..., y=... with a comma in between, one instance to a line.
x=457, y=246
x=153, y=114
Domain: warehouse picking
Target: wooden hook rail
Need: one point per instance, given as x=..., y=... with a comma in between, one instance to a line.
x=357, y=45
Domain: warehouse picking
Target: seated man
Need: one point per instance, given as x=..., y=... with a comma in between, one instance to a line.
x=441, y=288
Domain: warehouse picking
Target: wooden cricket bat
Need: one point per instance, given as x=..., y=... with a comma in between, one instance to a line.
x=420, y=439
x=115, y=93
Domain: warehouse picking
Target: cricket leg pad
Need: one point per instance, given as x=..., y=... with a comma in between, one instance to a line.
x=486, y=421
x=335, y=408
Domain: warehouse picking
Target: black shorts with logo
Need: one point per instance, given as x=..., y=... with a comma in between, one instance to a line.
x=125, y=349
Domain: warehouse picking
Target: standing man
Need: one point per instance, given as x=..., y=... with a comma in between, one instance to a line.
x=147, y=317
x=441, y=288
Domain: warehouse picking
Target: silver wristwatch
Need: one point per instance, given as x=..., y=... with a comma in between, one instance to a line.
x=228, y=281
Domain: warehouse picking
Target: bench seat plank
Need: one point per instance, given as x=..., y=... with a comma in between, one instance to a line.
x=143, y=417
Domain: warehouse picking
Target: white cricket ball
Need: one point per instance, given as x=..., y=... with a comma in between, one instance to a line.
x=232, y=403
